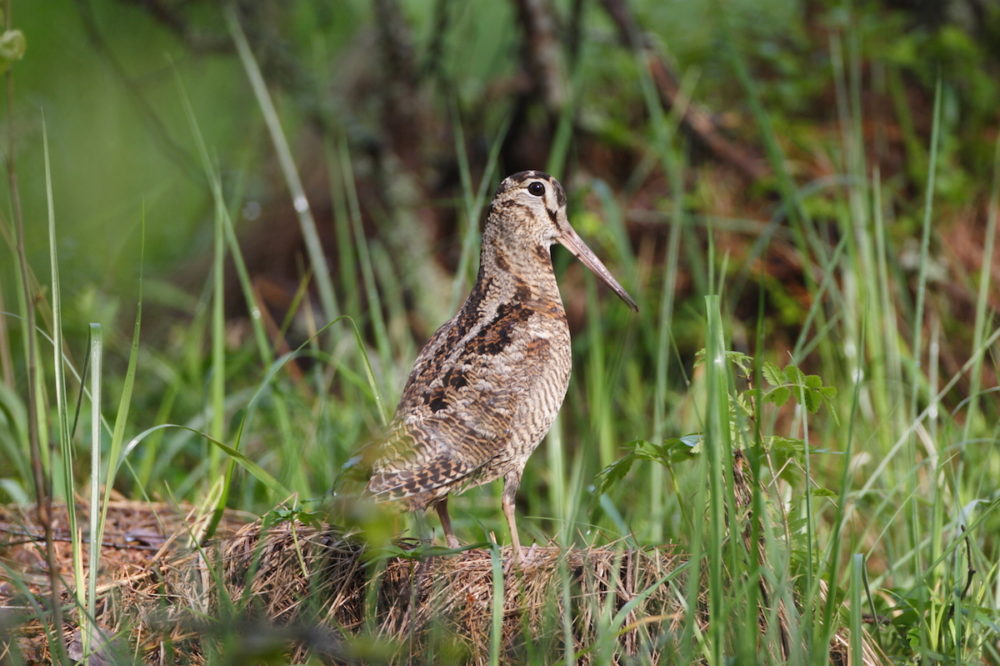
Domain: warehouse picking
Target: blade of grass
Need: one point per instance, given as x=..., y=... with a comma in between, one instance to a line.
x=473, y=202
x=833, y=557
x=62, y=413
x=917, y=380
x=300, y=202
x=717, y=448
x=668, y=290
x=497, y=610
x=555, y=454
x=598, y=391
x=566, y=616
x=256, y=470
x=124, y=401
x=374, y=306
x=923, y=262
x=904, y=437
x=218, y=198
x=563, y=137
x=217, y=392
x=985, y=281
x=857, y=607
x=96, y=373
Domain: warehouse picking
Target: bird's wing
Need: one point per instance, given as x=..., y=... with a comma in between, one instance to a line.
x=458, y=410
x=411, y=465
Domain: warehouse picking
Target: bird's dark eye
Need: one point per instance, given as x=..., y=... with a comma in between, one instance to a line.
x=537, y=189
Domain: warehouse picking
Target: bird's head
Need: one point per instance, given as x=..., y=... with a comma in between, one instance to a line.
x=529, y=213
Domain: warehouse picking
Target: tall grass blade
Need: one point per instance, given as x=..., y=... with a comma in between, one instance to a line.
x=62, y=410
x=300, y=202
x=973, y=417
x=96, y=373
x=718, y=452
x=256, y=470
x=833, y=556
x=376, y=315
x=217, y=395
x=473, y=202
x=125, y=400
x=857, y=607
x=497, y=610
x=924, y=260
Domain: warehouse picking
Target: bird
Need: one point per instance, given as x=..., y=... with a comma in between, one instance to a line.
x=486, y=387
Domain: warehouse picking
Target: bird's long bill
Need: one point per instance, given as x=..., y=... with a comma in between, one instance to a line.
x=572, y=242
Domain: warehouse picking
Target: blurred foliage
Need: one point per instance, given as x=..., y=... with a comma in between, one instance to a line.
x=392, y=111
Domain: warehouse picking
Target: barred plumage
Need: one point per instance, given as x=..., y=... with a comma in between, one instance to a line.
x=487, y=386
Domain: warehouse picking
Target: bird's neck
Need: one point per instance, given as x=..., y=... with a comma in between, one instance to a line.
x=522, y=273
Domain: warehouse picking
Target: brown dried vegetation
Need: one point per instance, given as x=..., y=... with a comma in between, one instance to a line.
x=297, y=590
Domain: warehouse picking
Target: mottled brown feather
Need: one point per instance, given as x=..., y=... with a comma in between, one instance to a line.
x=469, y=389
x=486, y=387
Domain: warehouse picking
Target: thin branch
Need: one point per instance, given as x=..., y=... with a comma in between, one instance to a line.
x=695, y=119
x=542, y=51
x=174, y=21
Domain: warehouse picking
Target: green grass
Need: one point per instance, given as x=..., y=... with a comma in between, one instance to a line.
x=874, y=504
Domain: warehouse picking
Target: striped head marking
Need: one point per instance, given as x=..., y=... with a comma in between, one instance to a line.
x=528, y=214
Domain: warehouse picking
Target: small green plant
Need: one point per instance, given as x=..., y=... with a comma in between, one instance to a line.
x=779, y=386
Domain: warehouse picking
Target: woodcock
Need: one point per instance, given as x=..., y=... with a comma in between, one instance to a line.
x=486, y=388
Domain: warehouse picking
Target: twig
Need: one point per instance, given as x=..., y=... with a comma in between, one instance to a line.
x=435, y=49
x=30, y=536
x=167, y=14
x=542, y=51
x=694, y=119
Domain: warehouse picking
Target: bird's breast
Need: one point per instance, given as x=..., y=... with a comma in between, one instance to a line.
x=488, y=349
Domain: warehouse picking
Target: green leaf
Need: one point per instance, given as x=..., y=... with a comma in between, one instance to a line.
x=772, y=374
x=793, y=375
x=791, y=447
x=778, y=396
x=740, y=360
x=683, y=448
x=615, y=472
x=699, y=357
x=813, y=400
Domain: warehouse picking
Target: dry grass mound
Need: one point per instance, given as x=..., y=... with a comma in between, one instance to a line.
x=140, y=540
x=294, y=591
x=326, y=594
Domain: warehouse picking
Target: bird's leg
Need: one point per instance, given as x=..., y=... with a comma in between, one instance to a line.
x=441, y=506
x=422, y=527
x=510, y=484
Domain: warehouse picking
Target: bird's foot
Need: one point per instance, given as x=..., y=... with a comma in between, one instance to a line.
x=519, y=559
